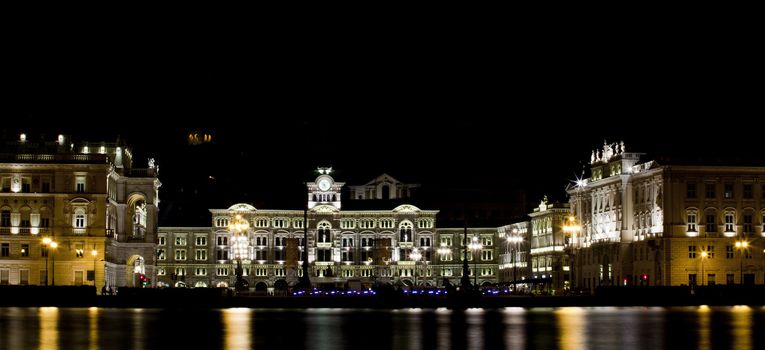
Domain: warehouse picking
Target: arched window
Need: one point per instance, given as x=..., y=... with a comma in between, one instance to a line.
x=80, y=219
x=691, y=222
x=405, y=231
x=324, y=229
x=730, y=222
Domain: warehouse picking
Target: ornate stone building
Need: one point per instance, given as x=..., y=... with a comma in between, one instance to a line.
x=652, y=224
x=382, y=187
x=513, y=263
x=63, y=204
x=345, y=247
x=549, y=263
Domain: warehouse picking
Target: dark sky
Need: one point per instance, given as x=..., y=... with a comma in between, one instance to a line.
x=474, y=109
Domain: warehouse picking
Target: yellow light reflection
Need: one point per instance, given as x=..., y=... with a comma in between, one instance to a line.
x=571, y=323
x=237, y=333
x=705, y=341
x=742, y=327
x=48, y=328
x=93, y=336
x=475, y=328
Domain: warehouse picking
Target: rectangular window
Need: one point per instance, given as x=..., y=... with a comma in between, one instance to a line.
x=161, y=254
x=201, y=254
x=181, y=241
x=201, y=241
x=710, y=251
x=424, y=241
x=280, y=241
x=5, y=250
x=222, y=240
x=691, y=279
x=710, y=190
x=25, y=250
x=5, y=218
x=5, y=275
x=222, y=271
x=711, y=279
x=692, y=252
x=729, y=252
x=690, y=191
x=748, y=191
x=26, y=187
x=200, y=271
x=748, y=224
x=221, y=254
x=80, y=184
x=446, y=241
x=728, y=191
x=180, y=254
x=324, y=255
x=711, y=224
x=180, y=271
x=161, y=240
x=260, y=254
x=45, y=187
x=348, y=255
x=487, y=254
x=729, y=278
x=23, y=277
x=280, y=255
x=347, y=242
x=44, y=222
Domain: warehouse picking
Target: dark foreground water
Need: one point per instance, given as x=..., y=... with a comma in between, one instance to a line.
x=737, y=327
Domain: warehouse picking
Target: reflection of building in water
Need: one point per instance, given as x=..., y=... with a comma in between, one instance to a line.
x=363, y=246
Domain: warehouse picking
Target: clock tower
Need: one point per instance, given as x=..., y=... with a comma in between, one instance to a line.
x=324, y=190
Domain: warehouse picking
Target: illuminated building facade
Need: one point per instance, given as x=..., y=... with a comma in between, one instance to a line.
x=513, y=263
x=549, y=263
x=71, y=211
x=649, y=224
x=350, y=248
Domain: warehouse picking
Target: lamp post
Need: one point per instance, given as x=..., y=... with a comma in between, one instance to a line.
x=94, y=252
x=703, y=256
x=475, y=245
x=46, y=242
x=238, y=226
x=415, y=255
x=570, y=227
x=442, y=251
x=741, y=246
x=53, y=245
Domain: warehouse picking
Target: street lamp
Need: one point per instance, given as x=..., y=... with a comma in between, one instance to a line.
x=570, y=227
x=475, y=245
x=238, y=226
x=443, y=250
x=49, y=243
x=415, y=255
x=94, y=252
x=53, y=246
x=741, y=246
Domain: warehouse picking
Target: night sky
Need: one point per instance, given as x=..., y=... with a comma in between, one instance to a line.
x=458, y=113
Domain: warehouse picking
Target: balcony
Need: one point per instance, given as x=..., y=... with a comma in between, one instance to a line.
x=53, y=158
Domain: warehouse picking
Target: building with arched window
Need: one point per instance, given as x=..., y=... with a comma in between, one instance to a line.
x=80, y=196
x=360, y=246
x=668, y=225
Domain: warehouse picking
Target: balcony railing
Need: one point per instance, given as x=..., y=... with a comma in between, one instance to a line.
x=52, y=158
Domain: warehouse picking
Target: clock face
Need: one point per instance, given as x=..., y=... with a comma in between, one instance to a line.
x=324, y=184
